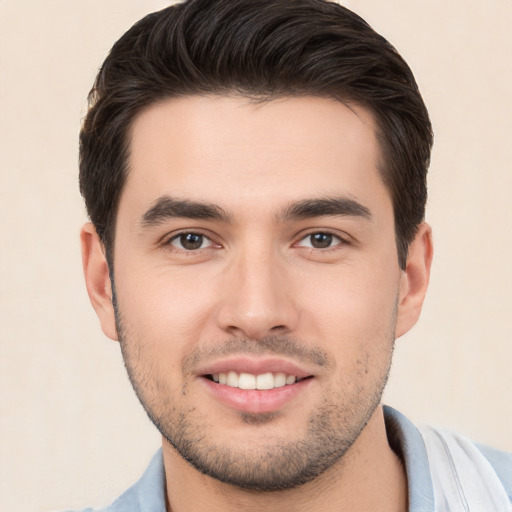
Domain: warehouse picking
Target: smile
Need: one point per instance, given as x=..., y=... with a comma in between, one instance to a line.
x=255, y=385
x=262, y=381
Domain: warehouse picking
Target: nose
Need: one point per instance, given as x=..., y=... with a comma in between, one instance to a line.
x=257, y=299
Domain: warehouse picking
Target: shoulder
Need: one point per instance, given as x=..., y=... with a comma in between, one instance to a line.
x=474, y=472
x=444, y=467
x=148, y=493
x=501, y=462
x=127, y=502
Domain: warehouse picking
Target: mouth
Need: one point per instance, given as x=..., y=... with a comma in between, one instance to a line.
x=256, y=386
x=263, y=381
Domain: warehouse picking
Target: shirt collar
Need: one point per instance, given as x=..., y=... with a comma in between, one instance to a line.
x=404, y=438
x=406, y=441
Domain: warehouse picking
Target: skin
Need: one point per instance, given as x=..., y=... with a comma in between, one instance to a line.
x=259, y=290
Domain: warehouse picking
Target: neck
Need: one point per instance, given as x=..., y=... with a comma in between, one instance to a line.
x=370, y=476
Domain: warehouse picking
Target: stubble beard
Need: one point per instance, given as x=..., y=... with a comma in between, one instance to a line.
x=278, y=465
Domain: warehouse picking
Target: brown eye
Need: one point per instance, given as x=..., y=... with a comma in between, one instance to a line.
x=320, y=240
x=190, y=241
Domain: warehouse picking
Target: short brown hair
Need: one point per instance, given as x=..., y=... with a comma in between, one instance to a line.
x=263, y=49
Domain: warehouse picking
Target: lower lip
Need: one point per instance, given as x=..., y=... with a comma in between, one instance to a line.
x=256, y=401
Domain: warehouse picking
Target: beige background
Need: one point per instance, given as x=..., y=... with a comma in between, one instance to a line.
x=71, y=432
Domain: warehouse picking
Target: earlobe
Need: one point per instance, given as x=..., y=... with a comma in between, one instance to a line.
x=97, y=279
x=414, y=280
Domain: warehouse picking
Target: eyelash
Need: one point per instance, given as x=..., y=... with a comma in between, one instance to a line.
x=204, y=238
x=335, y=240
x=211, y=244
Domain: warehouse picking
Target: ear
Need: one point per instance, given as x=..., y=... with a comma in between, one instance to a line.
x=414, y=280
x=97, y=279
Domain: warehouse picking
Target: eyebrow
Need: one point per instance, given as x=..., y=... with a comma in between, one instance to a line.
x=166, y=207
x=309, y=208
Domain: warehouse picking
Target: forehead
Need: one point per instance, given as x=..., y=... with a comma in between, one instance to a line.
x=224, y=148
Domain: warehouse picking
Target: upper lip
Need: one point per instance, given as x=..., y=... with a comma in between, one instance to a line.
x=254, y=367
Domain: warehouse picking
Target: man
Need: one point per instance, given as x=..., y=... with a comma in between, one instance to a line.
x=255, y=175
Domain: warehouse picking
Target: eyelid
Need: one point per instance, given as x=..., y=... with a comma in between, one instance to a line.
x=205, y=242
x=167, y=240
x=343, y=239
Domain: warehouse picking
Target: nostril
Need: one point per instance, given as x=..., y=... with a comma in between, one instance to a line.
x=257, y=320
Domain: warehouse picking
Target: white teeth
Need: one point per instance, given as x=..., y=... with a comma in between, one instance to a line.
x=232, y=379
x=265, y=381
x=290, y=379
x=249, y=381
x=279, y=380
x=246, y=381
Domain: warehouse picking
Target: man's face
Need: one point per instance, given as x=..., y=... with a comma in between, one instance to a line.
x=255, y=246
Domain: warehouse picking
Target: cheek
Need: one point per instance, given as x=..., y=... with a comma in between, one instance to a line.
x=165, y=306
x=353, y=316
x=351, y=299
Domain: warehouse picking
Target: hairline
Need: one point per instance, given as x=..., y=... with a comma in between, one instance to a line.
x=108, y=240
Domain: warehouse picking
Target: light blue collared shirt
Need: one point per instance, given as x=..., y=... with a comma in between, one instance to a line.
x=148, y=494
